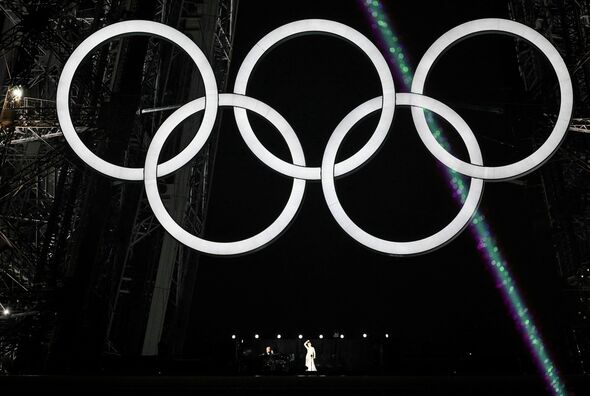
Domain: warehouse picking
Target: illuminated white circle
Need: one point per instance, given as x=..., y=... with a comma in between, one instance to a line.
x=503, y=26
x=129, y=28
x=295, y=29
x=390, y=247
x=223, y=248
x=329, y=169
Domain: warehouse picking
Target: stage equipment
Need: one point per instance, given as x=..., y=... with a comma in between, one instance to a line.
x=329, y=168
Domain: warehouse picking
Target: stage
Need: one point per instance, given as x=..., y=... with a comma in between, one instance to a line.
x=287, y=385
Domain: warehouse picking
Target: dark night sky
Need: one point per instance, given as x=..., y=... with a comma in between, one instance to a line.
x=314, y=278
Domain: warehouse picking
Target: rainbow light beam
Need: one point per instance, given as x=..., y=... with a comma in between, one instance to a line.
x=480, y=230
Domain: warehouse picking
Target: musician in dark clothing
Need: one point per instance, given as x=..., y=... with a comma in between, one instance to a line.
x=271, y=362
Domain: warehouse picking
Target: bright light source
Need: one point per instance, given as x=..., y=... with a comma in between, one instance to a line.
x=364, y=335
x=6, y=311
x=17, y=93
x=233, y=337
x=321, y=336
x=300, y=336
x=341, y=335
x=386, y=335
x=256, y=336
x=278, y=336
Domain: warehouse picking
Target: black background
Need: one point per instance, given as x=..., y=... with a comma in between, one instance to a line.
x=442, y=306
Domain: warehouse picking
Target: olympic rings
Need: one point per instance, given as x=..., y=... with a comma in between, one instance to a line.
x=544, y=152
x=336, y=29
x=128, y=28
x=223, y=248
x=329, y=168
x=401, y=248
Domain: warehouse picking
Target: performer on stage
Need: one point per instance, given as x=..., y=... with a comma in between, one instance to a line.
x=268, y=351
x=310, y=356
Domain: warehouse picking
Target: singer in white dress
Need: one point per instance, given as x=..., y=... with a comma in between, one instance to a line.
x=310, y=356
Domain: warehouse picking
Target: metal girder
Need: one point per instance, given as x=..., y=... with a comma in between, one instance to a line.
x=211, y=25
x=38, y=182
x=580, y=125
x=566, y=179
x=47, y=197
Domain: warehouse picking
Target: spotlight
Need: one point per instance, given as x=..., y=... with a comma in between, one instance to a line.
x=17, y=93
x=386, y=335
x=233, y=336
x=278, y=336
x=364, y=335
x=321, y=336
x=341, y=335
x=256, y=336
x=300, y=336
x=6, y=311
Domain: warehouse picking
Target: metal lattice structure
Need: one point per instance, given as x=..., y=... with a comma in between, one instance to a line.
x=566, y=179
x=39, y=182
x=82, y=259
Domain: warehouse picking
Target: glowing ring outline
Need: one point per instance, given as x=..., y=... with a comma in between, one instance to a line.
x=140, y=27
x=424, y=245
x=338, y=30
x=544, y=152
x=224, y=248
x=475, y=169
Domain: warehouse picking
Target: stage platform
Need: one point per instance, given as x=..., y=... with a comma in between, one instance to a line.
x=285, y=385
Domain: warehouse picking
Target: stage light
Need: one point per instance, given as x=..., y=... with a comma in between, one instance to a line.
x=233, y=337
x=300, y=336
x=278, y=336
x=386, y=335
x=6, y=311
x=17, y=93
x=364, y=335
x=341, y=335
x=321, y=336
x=256, y=336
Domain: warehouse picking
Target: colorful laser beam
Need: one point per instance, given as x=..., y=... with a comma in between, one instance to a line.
x=480, y=230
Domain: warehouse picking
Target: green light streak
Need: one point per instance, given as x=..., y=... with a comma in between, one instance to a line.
x=480, y=230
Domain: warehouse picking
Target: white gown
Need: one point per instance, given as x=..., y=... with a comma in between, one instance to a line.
x=309, y=358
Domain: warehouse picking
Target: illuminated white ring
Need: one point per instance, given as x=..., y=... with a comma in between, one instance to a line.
x=424, y=245
x=223, y=248
x=128, y=28
x=543, y=153
x=294, y=29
